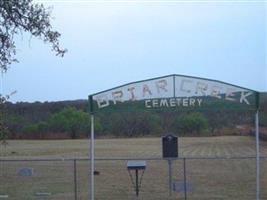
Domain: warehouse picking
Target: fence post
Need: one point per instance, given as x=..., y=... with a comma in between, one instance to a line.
x=75, y=178
x=257, y=156
x=185, y=186
x=170, y=176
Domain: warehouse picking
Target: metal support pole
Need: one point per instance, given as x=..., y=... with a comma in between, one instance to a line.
x=75, y=178
x=185, y=186
x=257, y=156
x=92, y=147
x=170, y=176
x=136, y=183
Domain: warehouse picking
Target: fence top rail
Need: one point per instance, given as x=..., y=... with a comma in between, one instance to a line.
x=125, y=159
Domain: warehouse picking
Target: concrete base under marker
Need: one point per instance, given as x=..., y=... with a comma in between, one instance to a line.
x=3, y=196
x=42, y=194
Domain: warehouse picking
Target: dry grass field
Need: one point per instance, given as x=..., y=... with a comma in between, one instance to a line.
x=132, y=148
x=211, y=179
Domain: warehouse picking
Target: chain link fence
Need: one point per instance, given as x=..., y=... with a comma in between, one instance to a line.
x=186, y=178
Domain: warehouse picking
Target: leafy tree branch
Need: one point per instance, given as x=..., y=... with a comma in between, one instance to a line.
x=18, y=16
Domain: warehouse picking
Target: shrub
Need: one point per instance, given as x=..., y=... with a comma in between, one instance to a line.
x=191, y=123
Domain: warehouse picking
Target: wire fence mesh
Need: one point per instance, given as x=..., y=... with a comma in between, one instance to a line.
x=189, y=178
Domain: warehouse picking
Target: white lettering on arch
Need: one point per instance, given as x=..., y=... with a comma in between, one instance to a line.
x=146, y=90
x=161, y=86
x=117, y=96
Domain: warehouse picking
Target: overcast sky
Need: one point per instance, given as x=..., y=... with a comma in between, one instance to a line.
x=113, y=43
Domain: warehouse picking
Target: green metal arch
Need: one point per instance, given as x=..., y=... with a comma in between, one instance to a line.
x=257, y=100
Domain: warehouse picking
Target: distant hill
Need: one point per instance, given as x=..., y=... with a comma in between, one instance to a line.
x=26, y=120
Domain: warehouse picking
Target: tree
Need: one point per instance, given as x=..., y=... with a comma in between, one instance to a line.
x=31, y=130
x=131, y=124
x=70, y=120
x=217, y=120
x=17, y=16
x=190, y=123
